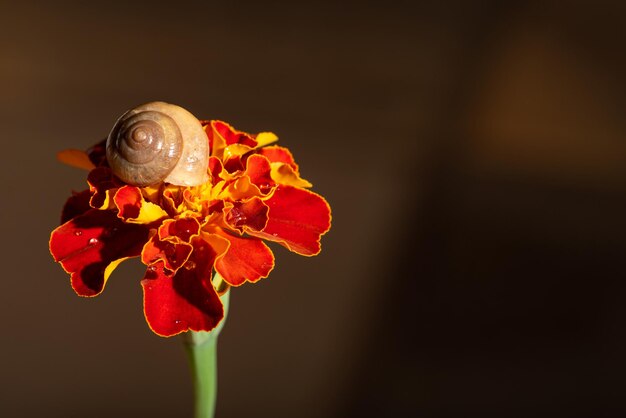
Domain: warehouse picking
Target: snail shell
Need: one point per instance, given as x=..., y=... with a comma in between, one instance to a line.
x=158, y=142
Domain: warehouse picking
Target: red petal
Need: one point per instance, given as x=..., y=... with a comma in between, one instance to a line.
x=278, y=154
x=172, y=199
x=128, y=201
x=101, y=180
x=89, y=245
x=183, y=228
x=231, y=135
x=174, y=255
x=247, y=259
x=76, y=205
x=250, y=214
x=215, y=170
x=297, y=219
x=214, y=206
x=234, y=164
x=186, y=301
x=259, y=170
x=171, y=244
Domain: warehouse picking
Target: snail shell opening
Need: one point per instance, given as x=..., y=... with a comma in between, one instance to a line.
x=158, y=142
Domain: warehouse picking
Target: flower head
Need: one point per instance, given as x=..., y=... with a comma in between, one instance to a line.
x=186, y=234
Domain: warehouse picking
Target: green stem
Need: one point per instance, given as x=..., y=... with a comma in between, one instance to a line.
x=201, y=348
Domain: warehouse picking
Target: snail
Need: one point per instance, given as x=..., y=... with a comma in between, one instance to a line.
x=158, y=142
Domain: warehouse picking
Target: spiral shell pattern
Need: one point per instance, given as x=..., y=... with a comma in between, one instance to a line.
x=158, y=142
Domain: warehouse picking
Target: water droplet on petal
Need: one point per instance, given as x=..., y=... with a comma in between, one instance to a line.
x=237, y=217
x=78, y=233
x=93, y=241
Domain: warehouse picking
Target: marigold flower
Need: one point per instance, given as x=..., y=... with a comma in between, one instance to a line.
x=185, y=234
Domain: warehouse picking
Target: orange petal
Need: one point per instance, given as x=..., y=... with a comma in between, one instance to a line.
x=247, y=259
x=242, y=188
x=75, y=158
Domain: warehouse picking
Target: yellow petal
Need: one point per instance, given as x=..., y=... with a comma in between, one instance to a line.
x=265, y=138
x=284, y=174
x=148, y=213
x=235, y=150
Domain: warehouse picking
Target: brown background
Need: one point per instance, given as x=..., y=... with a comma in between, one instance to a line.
x=474, y=156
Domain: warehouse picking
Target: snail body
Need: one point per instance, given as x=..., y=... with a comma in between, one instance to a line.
x=158, y=142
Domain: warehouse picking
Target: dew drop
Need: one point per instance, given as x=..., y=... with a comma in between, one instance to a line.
x=93, y=241
x=78, y=233
x=237, y=217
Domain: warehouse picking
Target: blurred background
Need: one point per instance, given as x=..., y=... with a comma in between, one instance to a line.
x=474, y=155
